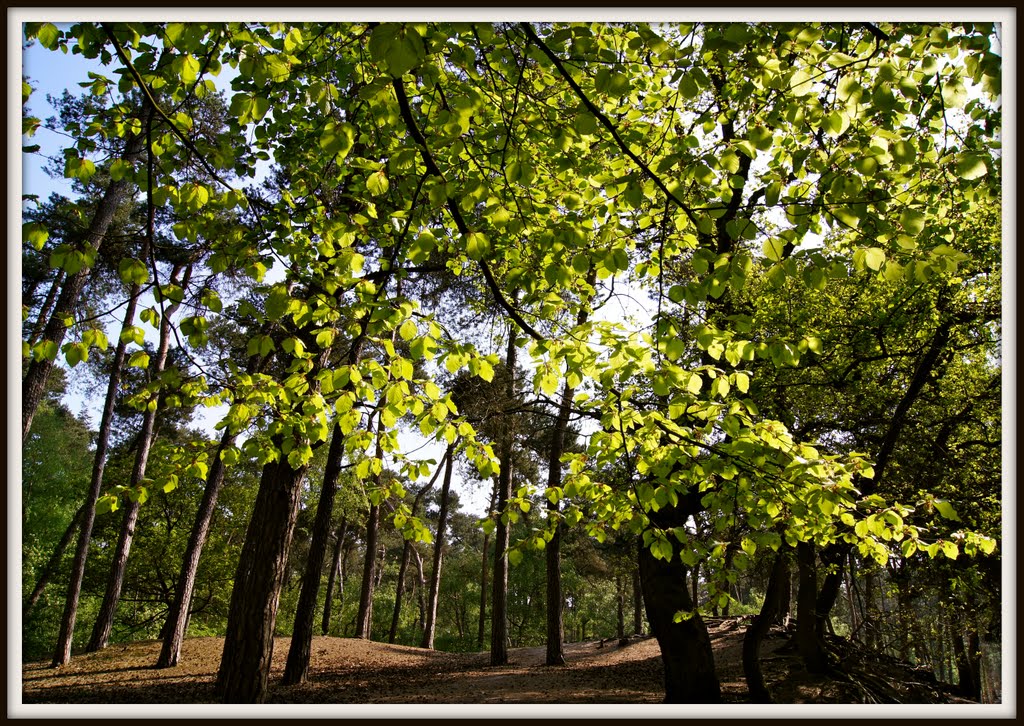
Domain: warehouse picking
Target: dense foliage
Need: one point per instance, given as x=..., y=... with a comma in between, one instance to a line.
x=367, y=237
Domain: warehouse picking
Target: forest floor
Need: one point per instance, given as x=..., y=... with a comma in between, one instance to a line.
x=345, y=670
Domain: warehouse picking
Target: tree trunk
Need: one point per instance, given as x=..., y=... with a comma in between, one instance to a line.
x=335, y=572
x=105, y=620
x=620, y=608
x=399, y=587
x=45, y=308
x=759, y=628
x=297, y=666
x=638, y=604
x=34, y=384
x=53, y=563
x=968, y=663
x=421, y=587
x=807, y=640
x=177, y=617
x=365, y=617
x=685, y=646
x=249, y=640
x=499, y=593
x=484, y=571
x=430, y=624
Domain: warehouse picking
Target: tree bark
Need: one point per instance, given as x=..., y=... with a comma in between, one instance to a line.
x=685, y=646
x=364, y=619
x=297, y=666
x=430, y=622
x=335, y=572
x=177, y=617
x=249, y=640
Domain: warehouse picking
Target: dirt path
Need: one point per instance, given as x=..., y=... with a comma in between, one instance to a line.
x=344, y=670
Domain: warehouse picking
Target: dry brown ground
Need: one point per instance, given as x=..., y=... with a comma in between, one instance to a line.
x=344, y=670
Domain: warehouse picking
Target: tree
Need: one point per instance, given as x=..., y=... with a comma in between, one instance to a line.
x=686, y=162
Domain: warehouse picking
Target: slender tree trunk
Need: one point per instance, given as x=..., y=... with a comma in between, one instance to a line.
x=252, y=617
x=638, y=603
x=430, y=623
x=421, y=588
x=364, y=619
x=396, y=613
x=335, y=572
x=484, y=570
x=105, y=620
x=177, y=617
x=620, y=609
x=758, y=629
x=53, y=563
x=297, y=666
x=34, y=383
x=499, y=593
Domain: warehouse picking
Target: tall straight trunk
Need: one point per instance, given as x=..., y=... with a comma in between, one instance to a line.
x=499, y=592
x=620, y=608
x=108, y=608
x=808, y=643
x=297, y=666
x=364, y=618
x=638, y=603
x=968, y=663
x=252, y=616
x=53, y=563
x=335, y=572
x=420, y=588
x=34, y=384
x=754, y=636
x=173, y=634
x=483, y=572
x=430, y=623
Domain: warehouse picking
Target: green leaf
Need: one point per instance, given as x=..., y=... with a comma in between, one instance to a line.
x=874, y=257
x=377, y=183
x=477, y=245
x=946, y=509
x=773, y=249
x=36, y=234
x=971, y=166
x=912, y=222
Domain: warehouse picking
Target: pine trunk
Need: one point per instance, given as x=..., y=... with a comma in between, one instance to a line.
x=297, y=666
x=430, y=623
x=335, y=572
x=177, y=618
x=249, y=640
x=499, y=591
x=759, y=628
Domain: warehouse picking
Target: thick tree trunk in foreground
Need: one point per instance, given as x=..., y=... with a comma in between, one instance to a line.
x=685, y=646
x=297, y=667
x=758, y=629
x=335, y=573
x=430, y=622
x=173, y=634
x=249, y=640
